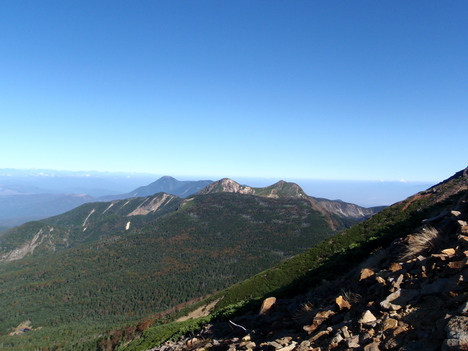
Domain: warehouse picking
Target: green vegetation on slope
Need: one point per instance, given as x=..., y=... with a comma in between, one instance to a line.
x=216, y=240
x=329, y=258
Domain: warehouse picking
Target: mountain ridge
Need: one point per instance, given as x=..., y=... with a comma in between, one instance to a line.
x=276, y=190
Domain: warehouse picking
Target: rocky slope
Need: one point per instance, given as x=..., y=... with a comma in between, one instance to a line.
x=411, y=295
x=347, y=210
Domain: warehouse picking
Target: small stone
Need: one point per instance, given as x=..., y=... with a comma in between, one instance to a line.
x=366, y=273
x=380, y=280
x=345, y=332
x=372, y=347
x=305, y=343
x=250, y=345
x=449, y=252
x=246, y=338
x=342, y=303
x=267, y=304
x=336, y=339
x=398, y=282
x=398, y=299
x=319, y=335
x=285, y=341
x=367, y=318
x=455, y=213
x=192, y=342
x=319, y=318
x=395, y=267
x=389, y=323
x=457, y=264
x=289, y=348
x=352, y=342
x=275, y=344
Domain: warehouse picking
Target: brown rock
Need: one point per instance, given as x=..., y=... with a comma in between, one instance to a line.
x=395, y=267
x=449, y=252
x=380, y=280
x=400, y=329
x=285, y=341
x=246, y=338
x=389, y=323
x=319, y=318
x=275, y=344
x=342, y=303
x=267, y=304
x=458, y=264
x=319, y=335
x=366, y=273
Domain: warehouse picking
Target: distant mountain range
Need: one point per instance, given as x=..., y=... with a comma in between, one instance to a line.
x=21, y=203
x=164, y=184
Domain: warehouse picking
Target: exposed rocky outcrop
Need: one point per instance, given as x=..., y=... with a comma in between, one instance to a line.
x=226, y=185
x=345, y=209
x=409, y=296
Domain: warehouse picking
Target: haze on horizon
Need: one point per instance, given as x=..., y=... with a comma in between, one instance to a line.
x=333, y=91
x=363, y=193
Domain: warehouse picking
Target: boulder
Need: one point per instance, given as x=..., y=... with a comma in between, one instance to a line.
x=267, y=305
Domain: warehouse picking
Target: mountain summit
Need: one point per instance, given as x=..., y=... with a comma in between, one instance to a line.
x=280, y=189
x=165, y=184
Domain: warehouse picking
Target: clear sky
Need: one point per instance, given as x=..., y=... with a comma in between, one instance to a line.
x=348, y=90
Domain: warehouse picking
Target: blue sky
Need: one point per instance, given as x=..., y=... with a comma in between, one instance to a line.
x=341, y=90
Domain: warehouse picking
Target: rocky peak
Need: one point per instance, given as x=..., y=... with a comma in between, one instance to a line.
x=226, y=185
x=279, y=189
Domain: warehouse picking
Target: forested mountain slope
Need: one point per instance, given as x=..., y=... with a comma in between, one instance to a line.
x=102, y=265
